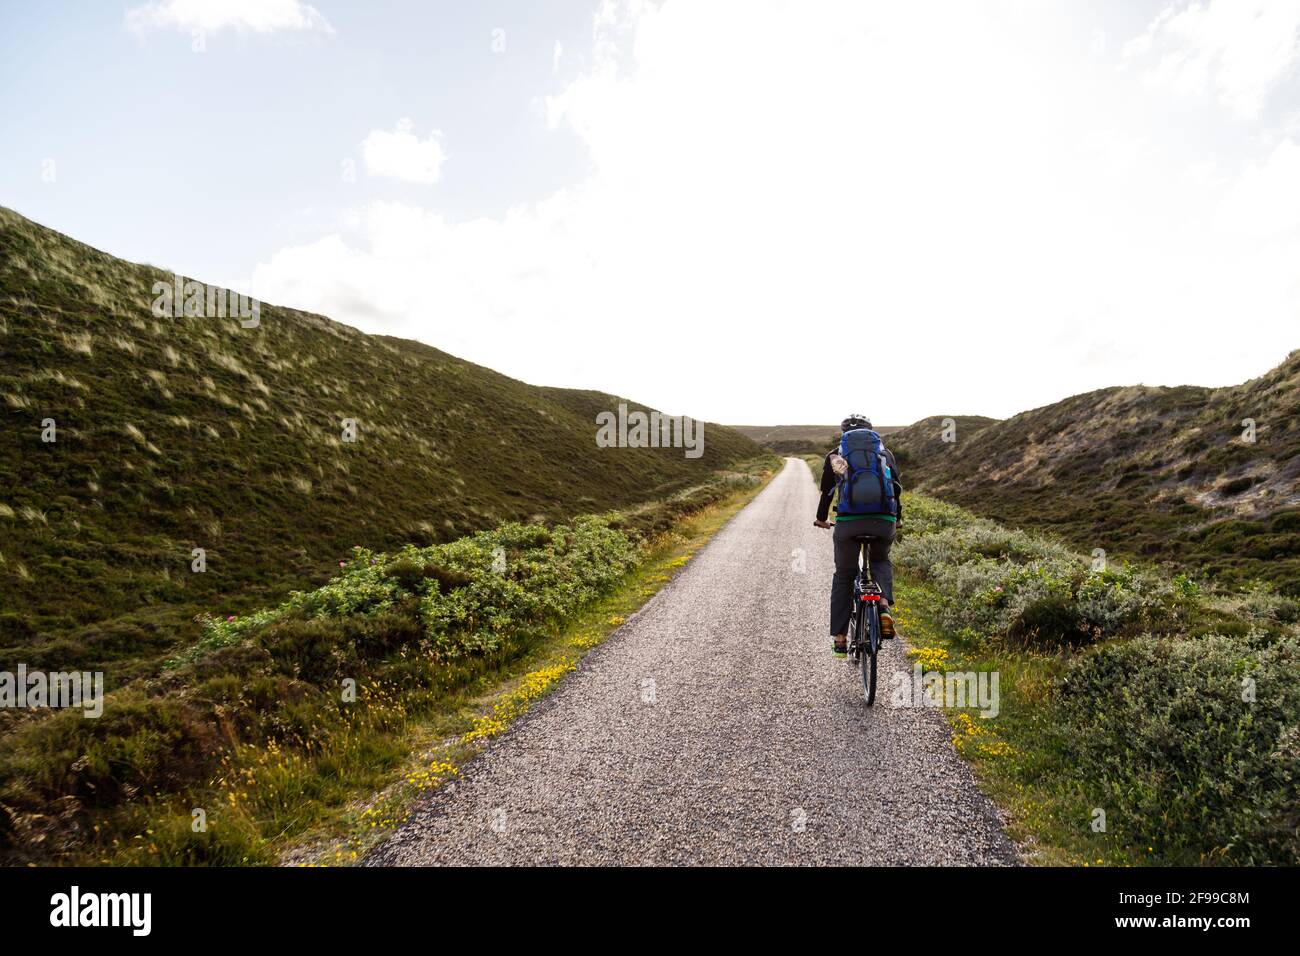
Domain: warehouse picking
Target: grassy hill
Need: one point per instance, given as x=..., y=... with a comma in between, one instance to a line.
x=920, y=444
x=797, y=439
x=180, y=433
x=1161, y=473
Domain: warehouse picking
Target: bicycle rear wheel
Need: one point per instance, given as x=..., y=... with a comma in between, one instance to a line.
x=868, y=643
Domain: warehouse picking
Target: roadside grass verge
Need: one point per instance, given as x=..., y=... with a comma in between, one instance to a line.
x=1143, y=719
x=273, y=726
x=1020, y=758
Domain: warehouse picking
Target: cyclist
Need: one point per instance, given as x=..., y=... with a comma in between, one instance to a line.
x=877, y=517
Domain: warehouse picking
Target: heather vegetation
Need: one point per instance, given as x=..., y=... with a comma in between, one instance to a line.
x=918, y=447
x=1169, y=704
x=275, y=716
x=797, y=439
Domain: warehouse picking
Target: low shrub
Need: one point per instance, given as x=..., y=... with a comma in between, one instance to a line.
x=1192, y=745
x=1263, y=602
x=1236, y=486
x=1050, y=622
x=998, y=582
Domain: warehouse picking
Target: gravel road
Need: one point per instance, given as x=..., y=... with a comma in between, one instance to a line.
x=715, y=727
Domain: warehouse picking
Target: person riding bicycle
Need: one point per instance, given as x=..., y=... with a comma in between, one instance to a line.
x=863, y=472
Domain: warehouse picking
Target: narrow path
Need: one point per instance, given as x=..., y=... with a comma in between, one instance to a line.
x=715, y=727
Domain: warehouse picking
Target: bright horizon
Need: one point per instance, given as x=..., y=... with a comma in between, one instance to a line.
x=713, y=209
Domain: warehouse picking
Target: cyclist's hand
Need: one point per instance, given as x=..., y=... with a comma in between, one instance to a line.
x=823, y=524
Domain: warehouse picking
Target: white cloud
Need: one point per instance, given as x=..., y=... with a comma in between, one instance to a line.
x=1238, y=49
x=1203, y=174
x=795, y=211
x=211, y=16
x=403, y=155
x=1265, y=200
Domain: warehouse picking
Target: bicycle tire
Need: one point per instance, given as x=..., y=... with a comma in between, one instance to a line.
x=868, y=645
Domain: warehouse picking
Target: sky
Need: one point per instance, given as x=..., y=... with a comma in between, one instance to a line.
x=751, y=212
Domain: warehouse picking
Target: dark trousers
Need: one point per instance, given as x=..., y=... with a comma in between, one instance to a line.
x=847, y=553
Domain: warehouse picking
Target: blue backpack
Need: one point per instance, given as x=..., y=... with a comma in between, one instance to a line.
x=867, y=485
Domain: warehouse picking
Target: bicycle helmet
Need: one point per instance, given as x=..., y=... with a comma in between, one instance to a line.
x=855, y=421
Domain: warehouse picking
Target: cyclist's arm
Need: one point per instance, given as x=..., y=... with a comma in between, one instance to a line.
x=827, y=488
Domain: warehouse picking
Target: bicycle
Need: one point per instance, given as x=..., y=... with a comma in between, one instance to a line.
x=864, y=623
x=865, y=632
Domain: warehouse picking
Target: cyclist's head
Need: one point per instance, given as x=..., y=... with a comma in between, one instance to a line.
x=855, y=421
